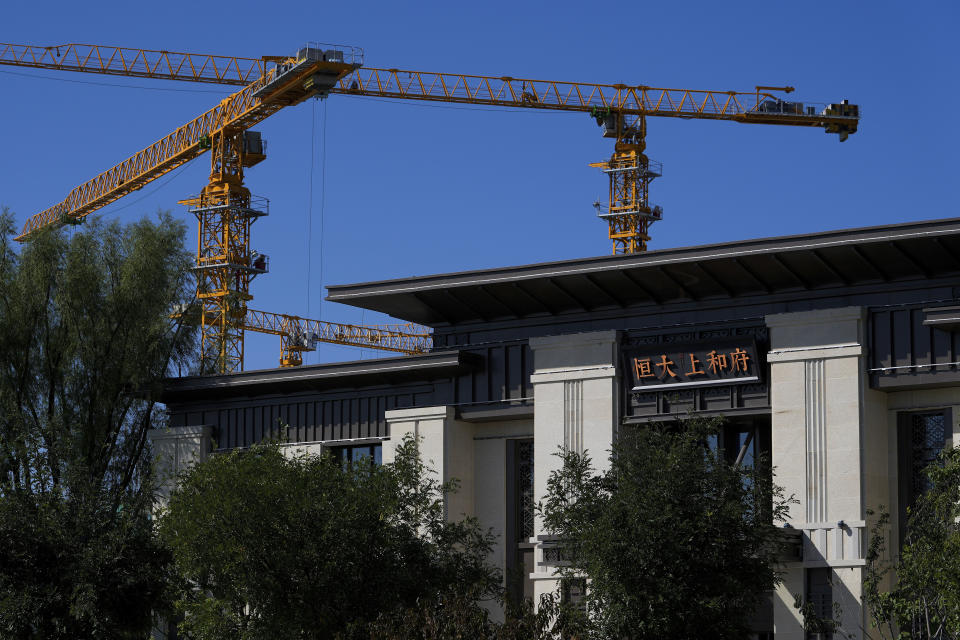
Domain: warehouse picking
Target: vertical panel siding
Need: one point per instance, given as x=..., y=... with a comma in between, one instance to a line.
x=943, y=346
x=881, y=346
x=307, y=419
x=497, y=373
x=898, y=338
x=504, y=374
x=922, y=338
x=903, y=336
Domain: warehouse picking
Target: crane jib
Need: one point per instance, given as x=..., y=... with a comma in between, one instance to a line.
x=241, y=110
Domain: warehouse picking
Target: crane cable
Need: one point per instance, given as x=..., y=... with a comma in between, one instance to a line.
x=323, y=196
x=313, y=154
x=121, y=85
x=323, y=191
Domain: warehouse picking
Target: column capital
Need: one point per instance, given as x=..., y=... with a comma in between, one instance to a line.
x=575, y=373
x=169, y=433
x=582, y=355
x=838, y=314
x=820, y=353
x=441, y=412
x=825, y=331
x=571, y=339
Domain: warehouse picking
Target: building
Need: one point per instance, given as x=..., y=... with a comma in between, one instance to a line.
x=837, y=352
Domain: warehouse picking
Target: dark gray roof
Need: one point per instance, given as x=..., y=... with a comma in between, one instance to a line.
x=332, y=376
x=849, y=257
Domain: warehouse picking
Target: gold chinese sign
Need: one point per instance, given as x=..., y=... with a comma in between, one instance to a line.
x=667, y=366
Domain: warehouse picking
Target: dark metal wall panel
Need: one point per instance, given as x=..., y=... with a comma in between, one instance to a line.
x=881, y=339
x=496, y=373
x=503, y=375
x=517, y=376
x=904, y=352
x=903, y=336
x=342, y=416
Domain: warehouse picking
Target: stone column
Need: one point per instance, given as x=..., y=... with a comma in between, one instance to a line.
x=175, y=450
x=818, y=395
x=446, y=446
x=576, y=407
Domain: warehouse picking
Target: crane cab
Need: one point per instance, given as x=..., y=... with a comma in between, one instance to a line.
x=254, y=148
x=313, y=71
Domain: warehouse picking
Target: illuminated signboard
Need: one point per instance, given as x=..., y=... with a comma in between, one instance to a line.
x=673, y=366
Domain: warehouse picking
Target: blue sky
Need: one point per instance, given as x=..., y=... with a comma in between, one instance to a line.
x=412, y=189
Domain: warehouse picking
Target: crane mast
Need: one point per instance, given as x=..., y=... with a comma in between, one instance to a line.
x=226, y=210
x=629, y=213
x=622, y=111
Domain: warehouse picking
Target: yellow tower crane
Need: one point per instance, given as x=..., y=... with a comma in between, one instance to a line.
x=226, y=210
x=301, y=334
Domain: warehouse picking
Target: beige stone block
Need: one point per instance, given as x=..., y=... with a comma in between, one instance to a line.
x=923, y=398
x=175, y=450
x=575, y=391
x=787, y=623
x=847, y=593
x=816, y=328
x=458, y=463
x=842, y=368
x=490, y=495
x=542, y=587
x=293, y=449
x=788, y=399
x=843, y=439
x=548, y=427
x=446, y=447
x=574, y=351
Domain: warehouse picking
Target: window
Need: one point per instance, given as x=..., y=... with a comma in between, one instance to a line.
x=743, y=440
x=921, y=438
x=356, y=452
x=820, y=598
x=573, y=591
x=525, y=501
x=519, y=522
x=927, y=435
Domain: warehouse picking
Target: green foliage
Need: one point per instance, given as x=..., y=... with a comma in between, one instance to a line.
x=925, y=599
x=675, y=540
x=451, y=615
x=275, y=546
x=813, y=623
x=77, y=569
x=85, y=324
x=455, y=614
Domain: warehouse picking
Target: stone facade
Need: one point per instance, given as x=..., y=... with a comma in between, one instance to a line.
x=856, y=341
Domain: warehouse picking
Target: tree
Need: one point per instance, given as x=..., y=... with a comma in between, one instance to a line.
x=86, y=330
x=270, y=545
x=673, y=540
x=924, y=601
x=455, y=614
